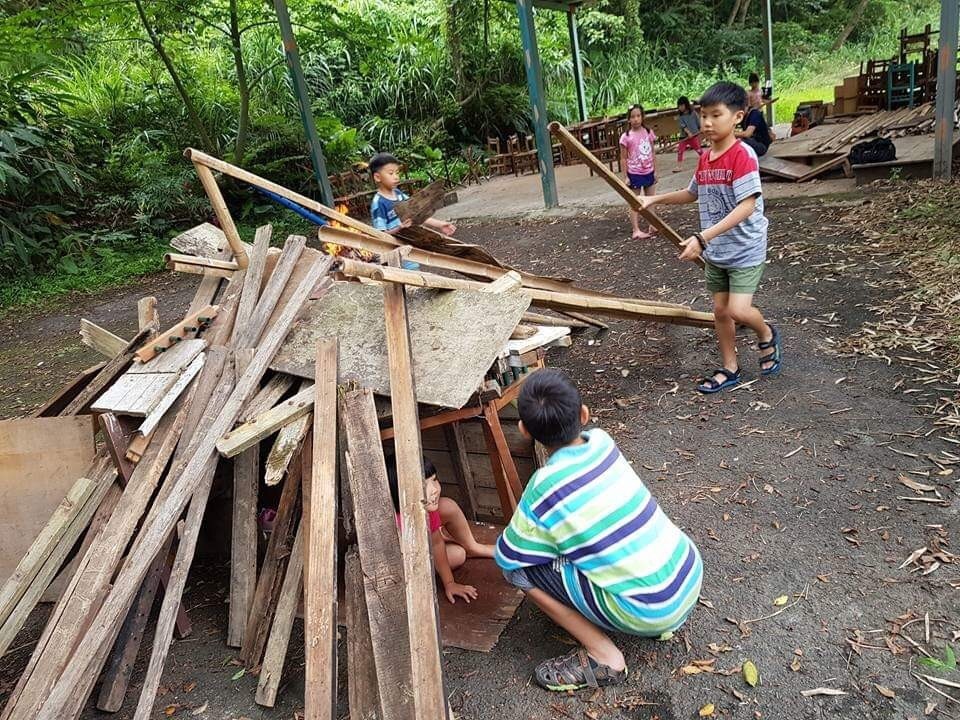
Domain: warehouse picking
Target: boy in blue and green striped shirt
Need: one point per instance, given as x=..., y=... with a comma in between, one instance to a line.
x=589, y=544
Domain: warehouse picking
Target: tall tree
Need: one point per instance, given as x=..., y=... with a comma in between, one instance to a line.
x=855, y=15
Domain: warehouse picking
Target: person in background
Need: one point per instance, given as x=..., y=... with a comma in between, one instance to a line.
x=755, y=132
x=689, y=130
x=385, y=172
x=754, y=94
x=800, y=124
x=637, y=158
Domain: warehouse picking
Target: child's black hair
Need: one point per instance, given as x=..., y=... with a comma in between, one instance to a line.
x=684, y=101
x=725, y=93
x=754, y=78
x=429, y=470
x=642, y=112
x=549, y=406
x=378, y=161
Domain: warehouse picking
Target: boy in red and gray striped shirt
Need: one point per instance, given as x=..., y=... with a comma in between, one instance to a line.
x=733, y=235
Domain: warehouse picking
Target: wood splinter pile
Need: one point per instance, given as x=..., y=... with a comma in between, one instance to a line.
x=171, y=404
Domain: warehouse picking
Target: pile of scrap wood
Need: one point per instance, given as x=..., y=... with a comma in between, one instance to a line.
x=266, y=364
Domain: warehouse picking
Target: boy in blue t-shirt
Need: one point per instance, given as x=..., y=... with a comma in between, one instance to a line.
x=385, y=171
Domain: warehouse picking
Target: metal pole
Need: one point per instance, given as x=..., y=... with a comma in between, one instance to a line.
x=946, y=91
x=577, y=62
x=768, y=58
x=303, y=100
x=531, y=61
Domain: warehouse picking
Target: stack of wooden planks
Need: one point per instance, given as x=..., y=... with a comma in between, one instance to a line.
x=269, y=380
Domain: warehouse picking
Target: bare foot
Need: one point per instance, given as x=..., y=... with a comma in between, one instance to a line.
x=640, y=235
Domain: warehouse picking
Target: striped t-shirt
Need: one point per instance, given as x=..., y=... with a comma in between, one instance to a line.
x=587, y=507
x=383, y=215
x=720, y=185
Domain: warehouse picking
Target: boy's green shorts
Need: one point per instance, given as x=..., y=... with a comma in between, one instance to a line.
x=733, y=280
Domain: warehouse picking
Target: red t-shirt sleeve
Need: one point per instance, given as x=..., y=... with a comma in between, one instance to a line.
x=434, y=521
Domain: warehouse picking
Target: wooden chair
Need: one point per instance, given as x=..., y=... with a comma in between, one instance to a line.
x=498, y=162
x=524, y=159
x=475, y=165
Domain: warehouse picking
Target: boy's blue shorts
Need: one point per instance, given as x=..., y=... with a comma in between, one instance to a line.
x=638, y=182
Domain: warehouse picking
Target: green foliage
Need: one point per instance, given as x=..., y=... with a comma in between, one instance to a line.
x=949, y=661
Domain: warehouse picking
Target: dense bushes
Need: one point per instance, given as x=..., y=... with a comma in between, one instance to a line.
x=98, y=98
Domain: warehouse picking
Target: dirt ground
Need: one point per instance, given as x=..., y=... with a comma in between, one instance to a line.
x=789, y=486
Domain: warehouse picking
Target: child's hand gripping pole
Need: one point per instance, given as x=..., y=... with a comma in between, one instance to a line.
x=575, y=146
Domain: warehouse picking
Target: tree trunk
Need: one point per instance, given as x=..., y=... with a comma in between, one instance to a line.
x=734, y=11
x=243, y=87
x=744, y=9
x=181, y=89
x=855, y=16
x=454, y=44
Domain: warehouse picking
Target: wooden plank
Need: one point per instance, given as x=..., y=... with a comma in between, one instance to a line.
x=103, y=475
x=266, y=423
x=254, y=279
x=183, y=330
x=429, y=698
x=449, y=364
x=550, y=321
x=200, y=263
x=618, y=307
x=501, y=463
x=284, y=448
x=101, y=340
x=40, y=461
x=544, y=336
x=174, y=360
x=820, y=169
x=204, y=240
x=147, y=316
x=380, y=558
x=154, y=533
x=362, y=686
x=190, y=532
x=268, y=396
x=781, y=168
x=198, y=269
x=249, y=334
x=461, y=467
x=65, y=395
x=320, y=575
x=183, y=381
x=619, y=186
x=105, y=377
x=135, y=395
x=116, y=441
x=510, y=280
x=243, y=542
x=423, y=203
x=273, y=659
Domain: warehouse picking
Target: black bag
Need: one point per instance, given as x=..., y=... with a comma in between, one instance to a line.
x=877, y=150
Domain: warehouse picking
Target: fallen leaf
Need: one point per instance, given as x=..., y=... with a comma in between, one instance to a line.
x=795, y=665
x=190, y=686
x=238, y=674
x=821, y=691
x=719, y=647
x=707, y=710
x=914, y=485
x=931, y=706
x=782, y=600
x=170, y=710
x=751, y=676
x=200, y=710
x=885, y=691
x=691, y=670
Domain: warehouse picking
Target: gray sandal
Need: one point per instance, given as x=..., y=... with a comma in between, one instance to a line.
x=574, y=671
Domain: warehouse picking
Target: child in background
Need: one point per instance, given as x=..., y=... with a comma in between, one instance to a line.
x=385, y=171
x=689, y=130
x=754, y=94
x=636, y=156
x=800, y=124
x=450, y=536
x=733, y=235
x=589, y=544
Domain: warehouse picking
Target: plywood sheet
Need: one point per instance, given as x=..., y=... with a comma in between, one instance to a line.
x=477, y=626
x=455, y=336
x=40, y=460
x=787, y=169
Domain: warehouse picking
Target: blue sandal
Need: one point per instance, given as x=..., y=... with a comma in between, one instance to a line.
x=776, y=357
x=710, y=386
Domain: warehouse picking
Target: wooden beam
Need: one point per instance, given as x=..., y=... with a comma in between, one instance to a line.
x=510, y=280
x=152, y=419
x=248, y=334
x=628, y=308
x=147, y=316
x=243, y=542
x=154, y=533
x=116, y=442
x=183, y=330
x=271, y=669
x=379, y=555
x=65, y=395
x=201, y=262
x=254, y=279
x=461, y=467
x=101, y=340
x=198, y=269
x=362, y=686
x=428, y=695
x=268, y=396
x=105, y=376
x=284, y=448
x=320, y=580
x=221, y=211
x=618, y=185
x=551, y=321
x=504, y=469
x=266, y=423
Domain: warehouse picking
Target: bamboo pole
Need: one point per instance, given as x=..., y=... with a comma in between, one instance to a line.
x=222, y=212
x=617, y=307
x=575, y=146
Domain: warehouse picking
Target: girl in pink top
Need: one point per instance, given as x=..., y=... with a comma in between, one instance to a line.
x=636, y=157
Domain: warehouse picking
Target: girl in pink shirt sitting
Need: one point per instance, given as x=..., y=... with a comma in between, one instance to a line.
x=636, y=156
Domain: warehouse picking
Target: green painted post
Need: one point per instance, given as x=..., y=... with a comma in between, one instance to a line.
x=303, y=100
x=946, y=90
x=577, y=62
x=531, y=61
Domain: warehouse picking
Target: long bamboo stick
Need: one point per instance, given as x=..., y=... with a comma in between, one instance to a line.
x=617, y=307
x=576, y=147
x=222, y=212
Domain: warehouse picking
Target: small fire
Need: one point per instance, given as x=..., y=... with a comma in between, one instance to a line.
x=338, y=250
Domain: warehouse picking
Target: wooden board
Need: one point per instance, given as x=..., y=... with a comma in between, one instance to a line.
x=173, y=360
x=135, y=394
x=477, y=626
x=782, y=168
x=449, y=364
x=40, y=460
x=544, y=335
